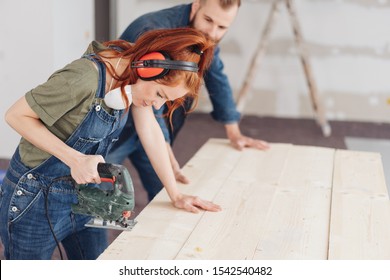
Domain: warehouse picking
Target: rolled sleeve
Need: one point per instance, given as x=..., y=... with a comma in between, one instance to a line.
x=45, y=98
x=39, y=110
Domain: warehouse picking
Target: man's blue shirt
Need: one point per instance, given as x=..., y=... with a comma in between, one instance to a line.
x=216, y=82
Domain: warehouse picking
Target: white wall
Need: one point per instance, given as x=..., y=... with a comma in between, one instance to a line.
x=36, y=38
x=349, y=43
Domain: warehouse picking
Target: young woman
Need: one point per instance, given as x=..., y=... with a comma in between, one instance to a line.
x=69, y=123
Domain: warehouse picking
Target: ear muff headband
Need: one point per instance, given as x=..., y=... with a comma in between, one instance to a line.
x=156, y=65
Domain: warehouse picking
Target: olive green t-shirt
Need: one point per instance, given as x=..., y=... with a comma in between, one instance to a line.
x=62, y=103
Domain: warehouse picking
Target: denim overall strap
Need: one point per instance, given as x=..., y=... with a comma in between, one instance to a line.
x=96, y=133
x=31, y=196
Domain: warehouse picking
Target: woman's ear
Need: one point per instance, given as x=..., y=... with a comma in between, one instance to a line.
x=194, y=8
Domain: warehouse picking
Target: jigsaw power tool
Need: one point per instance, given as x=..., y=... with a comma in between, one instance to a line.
x=111, y=202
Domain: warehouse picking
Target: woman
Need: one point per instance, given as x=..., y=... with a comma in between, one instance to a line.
x=68, y=125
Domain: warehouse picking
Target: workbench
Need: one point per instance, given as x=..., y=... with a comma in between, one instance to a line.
x=290, y=202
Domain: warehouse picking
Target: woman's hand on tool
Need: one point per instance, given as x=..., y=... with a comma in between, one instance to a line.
x=193, y=204
x=84, y=169
x=27, y=123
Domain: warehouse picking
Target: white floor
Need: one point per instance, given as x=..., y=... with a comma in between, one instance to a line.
x=373, y=145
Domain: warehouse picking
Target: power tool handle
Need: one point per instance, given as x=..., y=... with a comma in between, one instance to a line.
x=104, y=168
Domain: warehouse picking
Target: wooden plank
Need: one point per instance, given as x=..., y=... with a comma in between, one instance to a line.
x=245, y=199
x=162, y=229
x=297, y=224
x=359, y=172
x=276, y=205
x=360, y=218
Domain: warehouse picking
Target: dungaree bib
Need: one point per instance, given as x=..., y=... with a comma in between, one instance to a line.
x=33, y=200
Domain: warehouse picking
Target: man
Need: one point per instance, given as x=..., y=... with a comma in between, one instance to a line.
x=212, y=17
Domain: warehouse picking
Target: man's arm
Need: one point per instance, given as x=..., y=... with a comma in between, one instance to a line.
x=224, y=107
x=239, y=141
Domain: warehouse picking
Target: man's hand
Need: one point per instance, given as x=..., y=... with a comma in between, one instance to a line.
x=180, y=177
x=240, y=141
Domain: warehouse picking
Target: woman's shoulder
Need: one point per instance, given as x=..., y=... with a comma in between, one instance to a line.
x=80, y=68
x=95, y=47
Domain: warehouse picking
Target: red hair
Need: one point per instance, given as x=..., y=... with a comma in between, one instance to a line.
x=179, y=44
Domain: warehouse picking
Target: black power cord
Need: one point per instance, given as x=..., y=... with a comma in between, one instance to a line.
x=50, y=225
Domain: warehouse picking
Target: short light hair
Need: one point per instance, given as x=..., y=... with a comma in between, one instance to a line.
x=227, y=3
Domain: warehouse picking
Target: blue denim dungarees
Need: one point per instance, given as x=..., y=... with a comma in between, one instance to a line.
x=26, y=192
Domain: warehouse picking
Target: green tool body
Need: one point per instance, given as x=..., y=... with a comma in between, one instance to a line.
x=111, y=202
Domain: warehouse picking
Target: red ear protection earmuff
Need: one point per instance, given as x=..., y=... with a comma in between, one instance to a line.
x=156, y=65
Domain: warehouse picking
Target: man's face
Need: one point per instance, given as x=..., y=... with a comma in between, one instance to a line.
x=211, y=18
